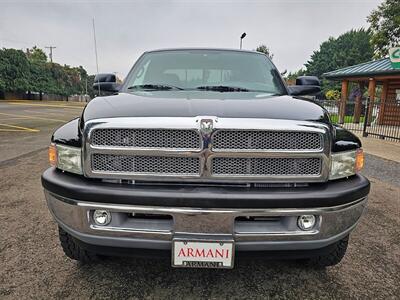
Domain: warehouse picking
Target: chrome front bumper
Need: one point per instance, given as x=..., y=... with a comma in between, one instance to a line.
x=277, y=230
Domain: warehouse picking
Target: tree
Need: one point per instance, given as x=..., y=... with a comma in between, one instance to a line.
x=291, y=77
x=30, y=72
x=90, y=82
x=348, y=49
x=14, y=71
x=39, y=77
x=2, y=85
x=84, y=80
x=264, y=49
x=385, y=26
x=36, y=55
x=52, y=78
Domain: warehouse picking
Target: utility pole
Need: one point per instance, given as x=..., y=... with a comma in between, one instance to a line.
x=51, y=52
x=86, y=94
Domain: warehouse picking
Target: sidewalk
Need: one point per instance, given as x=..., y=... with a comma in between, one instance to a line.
x=381, y=148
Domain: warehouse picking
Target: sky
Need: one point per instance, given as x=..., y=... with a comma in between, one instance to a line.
x=292, y=29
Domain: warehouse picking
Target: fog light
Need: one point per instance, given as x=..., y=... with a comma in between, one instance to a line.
x=306, y=222
x=101, y=217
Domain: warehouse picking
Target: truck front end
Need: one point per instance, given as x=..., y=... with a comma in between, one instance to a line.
x=204, y=173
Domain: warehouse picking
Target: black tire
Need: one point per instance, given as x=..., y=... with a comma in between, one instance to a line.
x=333, y=257
x=73, y=250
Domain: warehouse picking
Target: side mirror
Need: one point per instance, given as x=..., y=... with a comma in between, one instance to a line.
x=305, y=85
x=106, y=83
x=308, y=80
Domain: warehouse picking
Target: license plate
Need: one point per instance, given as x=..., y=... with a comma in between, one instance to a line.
x=202, y=254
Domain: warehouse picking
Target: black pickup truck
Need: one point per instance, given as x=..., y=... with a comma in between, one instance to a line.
x=205, y=155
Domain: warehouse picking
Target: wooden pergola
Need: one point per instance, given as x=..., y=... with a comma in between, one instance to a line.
x=370, y=75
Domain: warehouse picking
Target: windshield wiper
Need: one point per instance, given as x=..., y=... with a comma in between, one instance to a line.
x=222, y=88
x=156, y=87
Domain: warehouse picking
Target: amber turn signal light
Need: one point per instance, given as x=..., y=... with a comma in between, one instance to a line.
x=359, y=160
x=53, y=155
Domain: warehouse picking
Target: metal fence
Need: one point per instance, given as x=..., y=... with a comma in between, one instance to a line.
x=369, y=118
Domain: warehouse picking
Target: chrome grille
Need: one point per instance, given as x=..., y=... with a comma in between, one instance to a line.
x=266, y=140
x=266, y=166
x=147, y=138
x=233, y=150
x=145, y=164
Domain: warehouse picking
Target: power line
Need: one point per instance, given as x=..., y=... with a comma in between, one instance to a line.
x=51, y=52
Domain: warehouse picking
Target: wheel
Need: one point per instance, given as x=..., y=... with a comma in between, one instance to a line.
x=333, y=257
x=73, y=250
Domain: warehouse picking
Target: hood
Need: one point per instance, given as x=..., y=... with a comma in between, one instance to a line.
x=201, y=103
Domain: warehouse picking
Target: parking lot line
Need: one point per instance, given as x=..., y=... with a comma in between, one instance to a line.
x=12, y=118
x=47, y=105
x=17, y=128
x=33, y=117
x=47, y=101
x=44, y=112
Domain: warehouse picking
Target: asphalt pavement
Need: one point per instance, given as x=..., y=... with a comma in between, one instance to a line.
x=32, y=264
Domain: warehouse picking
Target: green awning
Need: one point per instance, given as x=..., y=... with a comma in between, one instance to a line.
x=372, y=68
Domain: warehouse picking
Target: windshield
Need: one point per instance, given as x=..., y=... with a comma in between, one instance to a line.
x=205, y=70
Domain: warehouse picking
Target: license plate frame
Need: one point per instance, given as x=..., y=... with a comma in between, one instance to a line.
x=206, y=262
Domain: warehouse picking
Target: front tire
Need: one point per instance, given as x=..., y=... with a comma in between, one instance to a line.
x=333, y=257
x=72, y=249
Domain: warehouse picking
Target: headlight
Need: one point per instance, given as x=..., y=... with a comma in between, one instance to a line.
x=66, y=158
x=346, y=163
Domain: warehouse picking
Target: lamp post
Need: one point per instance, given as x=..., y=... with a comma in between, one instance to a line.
x=241, y=38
